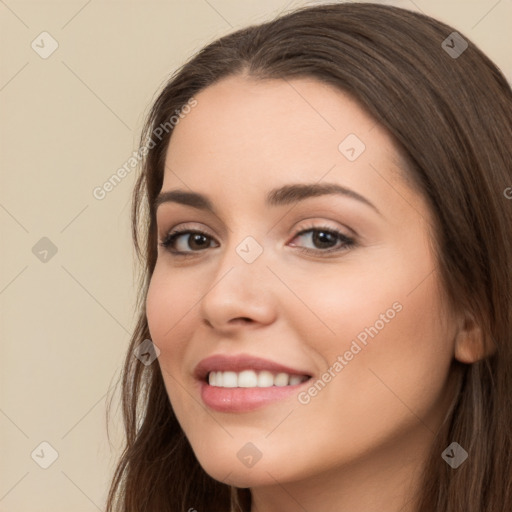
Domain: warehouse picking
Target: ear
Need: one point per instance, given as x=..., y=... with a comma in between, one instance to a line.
x=470, y=343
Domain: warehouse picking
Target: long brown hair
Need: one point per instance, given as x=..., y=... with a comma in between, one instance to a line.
x=451, y=116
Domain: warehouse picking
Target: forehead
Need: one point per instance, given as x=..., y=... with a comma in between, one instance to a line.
x=268, y=121
x=254, y=135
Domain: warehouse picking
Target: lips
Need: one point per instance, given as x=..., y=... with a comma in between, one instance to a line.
x=240, y=362
x=245, y=399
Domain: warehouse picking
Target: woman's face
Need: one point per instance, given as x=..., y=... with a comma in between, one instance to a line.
x=360, y=313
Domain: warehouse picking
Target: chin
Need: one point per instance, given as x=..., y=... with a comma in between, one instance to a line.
x=231, y=471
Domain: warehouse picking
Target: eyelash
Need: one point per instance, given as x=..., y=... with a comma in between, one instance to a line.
x=348, y=242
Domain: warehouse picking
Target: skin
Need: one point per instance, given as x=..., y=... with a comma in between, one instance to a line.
x=360, y=443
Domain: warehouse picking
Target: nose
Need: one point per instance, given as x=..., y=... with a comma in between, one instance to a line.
x=239, y=294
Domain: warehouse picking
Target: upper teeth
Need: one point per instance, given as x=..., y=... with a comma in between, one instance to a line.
x=252, y=379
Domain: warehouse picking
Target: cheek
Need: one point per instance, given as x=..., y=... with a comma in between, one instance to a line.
x=159, y=308
x=169, y=305
x=392, y=332
x=394, y=309
x=167, y=317
x=169, y=310
x=395, y=355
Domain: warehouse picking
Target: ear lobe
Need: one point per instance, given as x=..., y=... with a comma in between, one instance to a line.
x=470, y=344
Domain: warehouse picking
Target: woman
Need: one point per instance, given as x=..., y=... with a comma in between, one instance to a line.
x=327, y=281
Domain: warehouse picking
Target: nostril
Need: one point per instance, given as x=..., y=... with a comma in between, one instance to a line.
x=241, y=320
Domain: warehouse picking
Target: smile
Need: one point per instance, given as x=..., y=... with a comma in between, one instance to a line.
x=241, y=383
x=253, y=379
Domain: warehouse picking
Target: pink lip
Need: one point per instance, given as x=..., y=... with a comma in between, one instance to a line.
x=242, y=399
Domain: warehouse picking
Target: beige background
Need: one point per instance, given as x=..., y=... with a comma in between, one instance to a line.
x=68, y=122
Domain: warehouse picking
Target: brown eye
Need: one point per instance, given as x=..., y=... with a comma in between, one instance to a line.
x=324, y=240
x=186, y=241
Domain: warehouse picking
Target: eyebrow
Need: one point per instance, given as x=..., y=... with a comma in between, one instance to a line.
x=287, y=194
